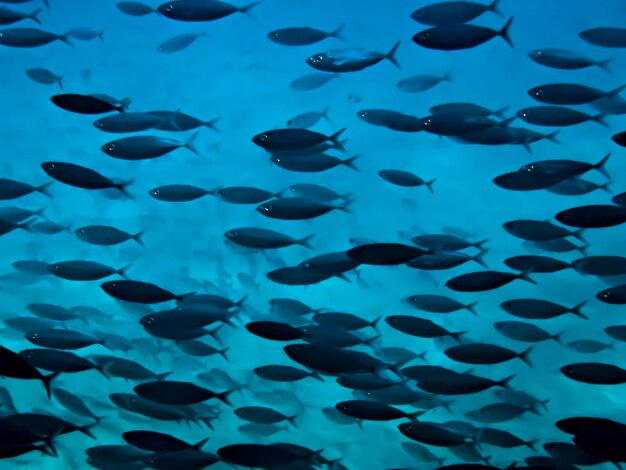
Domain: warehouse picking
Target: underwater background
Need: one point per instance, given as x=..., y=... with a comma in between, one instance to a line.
x=234, y=72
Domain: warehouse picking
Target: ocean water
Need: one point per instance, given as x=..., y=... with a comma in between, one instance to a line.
x=233, y=72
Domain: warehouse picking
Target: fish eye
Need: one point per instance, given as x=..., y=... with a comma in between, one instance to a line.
x=55, y=267
x=605, y=295
x=567, y=214
x=169, y=7
x=419, y=13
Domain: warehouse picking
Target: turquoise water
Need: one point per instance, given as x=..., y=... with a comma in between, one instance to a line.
x=235, y=73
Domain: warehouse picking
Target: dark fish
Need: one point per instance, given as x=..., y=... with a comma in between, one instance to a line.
x=263, y=415
x=105, y=235
x=297, y=276
x=291, y=307
x=445, y=242
x=605, y=37
x=315, y=191
x=9, y=16
x=12, y=189
x=311, y=81
x=570, y=453
x=566, y=60
x=617, y=332
x=112, y=366
x=14, y=366
x=373, y=411
x=334, y=361
x=29, y=37
x=588, y=346
x=278, y=373
x=56, y=361
x=419, y=83
x=345, y=321
x=364, y=381
x=74, y=404
x=264, y=239
x=51, y=312
x=613, y=295
x=351, y=60
x=313, y=163
x=84, y=270
x=139, y=292
x=48, y=227
x=136, y=404
x=135, y=8
x=593, y=216
x=459, y=384
x=557, y=116
x=200, y=349
x=258, y=455
x=485, y=280
x=178, y=121
x=61, y=339
x=331, y=263
x=405, y=178
x=539, y=230
x=334, y=337
x=466, y=109
x=503, y=439
x=302, y=36
x=88, y=104
x=127, y=122
x=600, y=265
x=294, y=139
x=385, y=254
x=420, y=327
x=439, y=304
x=178, y=193
x=595, y=373
x=188, y=458
x=178, y=393
x=24, y=324
x=82, y=177
x=460, y=36
x=192, y=10
x=243, y=194
x=143, y=147
x=578, y=187
x=536, y=309
x=275, y=331
x=178, y=43
x=536, y=264
x=298, y=208
x=557, y=246
x=435, y=434
x=481, y=353
x=446, y=260
x=453, y=13
x=455, y=125
x=498, y=413
x=153, y=441
x=569, y=93
x=525, y=332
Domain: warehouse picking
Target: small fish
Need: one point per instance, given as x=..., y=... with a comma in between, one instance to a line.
x=127, y=122
x=178, y=43
x=481, y=353
x=385, y=254
x=605, y=37
x=82, y=177
x=600, y=265
x=565, y=59
x=45, y=77
x=294, y=139
x=485, y=280
x=439, y=304
x=570, y=94
x=264, y=239
x=351, y=60
x=593, y=216
x=298, y=208
x=306, y=120
x=595, y=373
x=536, y=264
x=302, y=36
x=539, y=230
x=419, y=83
x=420, y=327
x=525, y=332
x=144, y=147
x=9, y=16
x=178, y=393
x=61, y=339
x=88, y=104
x=85, y=34
x=453, y=13
x=263, y=415
x=557, y=116
x=139, y=292
x=106, y=235
x=373, y=411
x=312, y=81
x=84, y=270
x=460, y=36
x=11, y=189
x=135, y=8
x=537, y=309
x=192, y=11
x=405, y=178
x=153, y=441
x=613, y=295
x=30, y=37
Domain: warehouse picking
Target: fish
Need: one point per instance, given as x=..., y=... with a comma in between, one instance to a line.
x=439, y=304
x=538, y=309
x=452, y=13
x=153, y=441
x=482, y=353
x=12, y=189
x=311, y=81
x=420, y=83
x=44, y=76
x=298, y=208
x=84, y=270
x=30, y=37
x=192, y=11
x=88, y=104
x=135, y=8
x=569, y=93
x=604, y=37
x=373, y=411
x=351, y=60
x=178, y=43
x=82, y=177
x=264, y=239
x=420, y=327
x=302, y=36
x=592, y=216
x=460, y=36
x=565, y=59
x=143, y=147
x=139, y=292
x=105, y=235
x=178, y=193
x=127, y=122
x=186, y=393
x=405, y=178
x=557, y=116
x=595, y=373
x=485, y=280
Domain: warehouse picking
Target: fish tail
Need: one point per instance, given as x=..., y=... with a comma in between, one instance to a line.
x=500, y=112
x=124, y=105
x=600, y=166
x=531, y=444
x=349, y=162
x=305, y=241
x=189, y=144
x=246, y=8
x=506, y=382
x=457, y=335
x=138, y=237
x=494, y=7
x=524, y=276
x=578, y=234
x=324, y=113
x=317, y=376
x=86, y=430
x=49, y=441
x=616, y=91
x=583, y=249
x=605, y=65
x=123, y=188
x=334, y=138
x=223, y=397
x=34, y=16
x=600, y=119
x=480, y=244
x=338, y=32
x=122, y=271
x=422, y=356
x=470, y=307
x=100, y=36
x=429, y=185
x=66, y=39
x=47, y=380
x=391, y=55
x=416, y=414
x=504, y=32
x=375, y=322
x=211, y=124
x=241, y=301
x=606, y=187
x=60, y=82
x=43, y=189
x=222, y=352
x=524, y=356
x=346, y=206
x=292, y=420
x=558, y=337
x=200, y=444
x=577, y=310
x=479, y=258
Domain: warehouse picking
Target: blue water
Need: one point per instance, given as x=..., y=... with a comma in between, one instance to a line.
x=237, y=74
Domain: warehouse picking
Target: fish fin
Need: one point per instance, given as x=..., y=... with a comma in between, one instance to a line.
x=504, y=32
x=324, y=113
x=429, y=185
x=211, y=124
x=34, y=16
x=606, y=187
x=86, y=430
x=494, y=7
x=600, y=166
x=605, y=65
x=447, y=77
x=577, y=310
x=480, y=244
x=124, y=105
x=552, y=137
x=47, y=380
x=391, y=55
x=531, y=444
x=524, y=276
x=600, y=119
x=527, y=147
x=558, y=337
x=292, y=420
x=616, y=91
x=41, y=213
x=305, y=241
x=349, y=162
x=223, y=397
x=478, y=258
x=334, y=138
x=375, y=322
x=346, y=206
x=222, y=352
x=506, y=382
x=43, y=189
x=240, y=302
x=66, y=39
x=60, y=82
x=337, y=33
x=189, y=144
x=122, y=271
x=317, y=376
x=123, y=188
x=578, y=234
x=524, y=356
x=457, y=335
x=138, y=237
x=246, y=8
x=163, y=376
x=416, y=414
x=470, y=308
x=200, y=444
x=500, y=112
